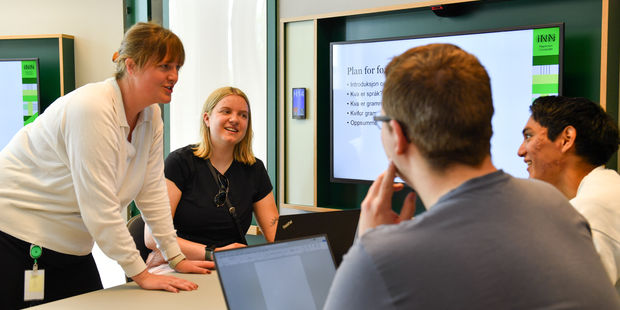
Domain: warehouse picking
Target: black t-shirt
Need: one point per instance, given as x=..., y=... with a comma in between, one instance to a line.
x=197, y=218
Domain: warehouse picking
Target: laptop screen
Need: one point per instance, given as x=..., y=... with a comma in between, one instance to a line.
x=292, y=274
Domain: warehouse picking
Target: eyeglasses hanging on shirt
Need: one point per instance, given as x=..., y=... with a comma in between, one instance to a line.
x=221, y=198
x=222, y=195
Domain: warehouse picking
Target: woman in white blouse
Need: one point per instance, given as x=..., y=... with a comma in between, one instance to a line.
x=68, y=177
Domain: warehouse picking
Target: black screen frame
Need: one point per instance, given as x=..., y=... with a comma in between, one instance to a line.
x=332, y=179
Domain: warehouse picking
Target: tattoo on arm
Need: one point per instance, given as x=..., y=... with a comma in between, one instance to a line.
x=274, y=221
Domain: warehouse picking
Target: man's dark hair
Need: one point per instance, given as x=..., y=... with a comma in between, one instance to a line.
x=597, y=132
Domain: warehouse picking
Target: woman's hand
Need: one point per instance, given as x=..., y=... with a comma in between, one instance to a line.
x=231, y=246
x=149, y=281
x=194, y=266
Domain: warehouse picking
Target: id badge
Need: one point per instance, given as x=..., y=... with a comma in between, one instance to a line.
x=34, y=281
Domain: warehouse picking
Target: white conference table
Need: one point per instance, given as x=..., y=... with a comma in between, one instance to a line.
x=129, y=296
x=208, y=296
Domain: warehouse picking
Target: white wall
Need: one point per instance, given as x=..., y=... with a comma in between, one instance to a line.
x=96, y=25
x=297, y=8
x=225, y=45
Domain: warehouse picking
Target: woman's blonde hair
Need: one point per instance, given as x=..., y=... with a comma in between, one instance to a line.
x=243, y=150
x=145, y=42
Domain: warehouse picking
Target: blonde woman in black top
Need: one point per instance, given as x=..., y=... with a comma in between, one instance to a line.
x=201, y=198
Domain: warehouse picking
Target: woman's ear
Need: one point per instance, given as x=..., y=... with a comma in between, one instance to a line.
x=205, y=118
x=130, y=65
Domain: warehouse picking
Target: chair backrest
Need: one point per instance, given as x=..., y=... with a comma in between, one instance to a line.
x=136, y=229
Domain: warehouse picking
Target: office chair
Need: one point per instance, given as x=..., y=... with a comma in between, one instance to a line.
x=136, y=229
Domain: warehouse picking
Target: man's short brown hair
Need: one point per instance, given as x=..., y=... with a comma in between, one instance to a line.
x=442, y=97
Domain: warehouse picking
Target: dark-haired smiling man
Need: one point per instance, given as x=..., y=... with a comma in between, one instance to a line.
x=567, y=142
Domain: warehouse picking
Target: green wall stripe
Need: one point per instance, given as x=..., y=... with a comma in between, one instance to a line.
x=29, y=92
x=546, y=60
x=544, y=88
x=165, y=108
x=272, y=98
x=545, y=79
x=30, y=119
x=28, y=108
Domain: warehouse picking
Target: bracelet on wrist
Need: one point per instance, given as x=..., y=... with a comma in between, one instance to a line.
x=209, y=252
x=173, y=262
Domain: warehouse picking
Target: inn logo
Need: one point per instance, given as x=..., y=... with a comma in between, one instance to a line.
x=544, y=38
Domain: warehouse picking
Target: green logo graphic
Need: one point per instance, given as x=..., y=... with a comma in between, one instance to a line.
x=29, y=90
x=545, y=61
x=546, y=46
x=29, y=69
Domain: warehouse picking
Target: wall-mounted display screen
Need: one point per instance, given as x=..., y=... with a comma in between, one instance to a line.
x=523, y=63
x=299, y=103
x=19, y=86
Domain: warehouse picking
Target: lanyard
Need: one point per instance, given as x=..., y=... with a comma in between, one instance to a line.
x=35, y=253
x=34, y=280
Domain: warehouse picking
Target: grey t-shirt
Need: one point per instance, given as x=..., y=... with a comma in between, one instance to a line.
x=495, y=242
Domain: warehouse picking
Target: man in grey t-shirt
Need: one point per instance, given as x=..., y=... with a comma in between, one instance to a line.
x=488, y=240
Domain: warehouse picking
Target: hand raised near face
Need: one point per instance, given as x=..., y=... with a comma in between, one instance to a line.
x=377, y=205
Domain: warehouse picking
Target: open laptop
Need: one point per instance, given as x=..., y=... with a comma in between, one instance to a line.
x=339, y=226
x=293, y=274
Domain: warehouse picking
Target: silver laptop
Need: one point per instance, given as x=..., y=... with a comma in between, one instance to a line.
x=292, y=274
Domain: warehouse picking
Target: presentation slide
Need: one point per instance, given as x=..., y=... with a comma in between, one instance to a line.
x=19, y=100
x=522, y=65
x=10, y=88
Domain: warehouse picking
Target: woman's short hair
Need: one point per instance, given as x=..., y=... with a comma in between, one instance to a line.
x=243, y=150
x=148, y=42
